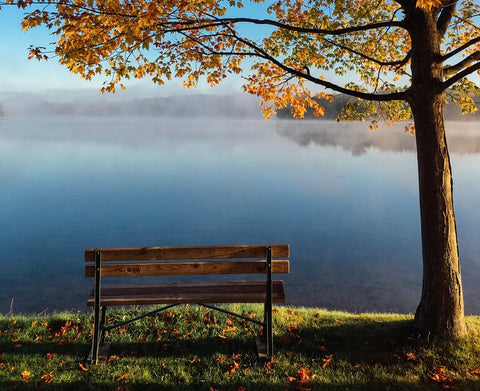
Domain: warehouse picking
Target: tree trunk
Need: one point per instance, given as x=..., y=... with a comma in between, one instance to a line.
x=441, y=309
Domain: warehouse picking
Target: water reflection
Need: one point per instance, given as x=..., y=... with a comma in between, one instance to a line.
x=344, y=197
x=463, y=137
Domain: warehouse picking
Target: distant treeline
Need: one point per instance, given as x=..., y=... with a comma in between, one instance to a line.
x=182, y=106
x=333, y=109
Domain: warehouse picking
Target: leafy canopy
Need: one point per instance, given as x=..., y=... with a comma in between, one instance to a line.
x=296, y=47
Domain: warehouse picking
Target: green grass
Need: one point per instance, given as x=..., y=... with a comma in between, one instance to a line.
x=191, y=348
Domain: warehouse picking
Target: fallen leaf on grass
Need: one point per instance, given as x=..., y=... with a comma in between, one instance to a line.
x=124, y=376
x=51, y=355
x=440, y=377
x=25, y=374
x=326, y=360
x=303, y=375
x=291, y=379
x=231, y=368
x=82, y=367
x=411, y=357
x=47, y=378
x=475, y=371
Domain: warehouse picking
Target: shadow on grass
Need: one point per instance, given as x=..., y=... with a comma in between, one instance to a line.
x=377, y=347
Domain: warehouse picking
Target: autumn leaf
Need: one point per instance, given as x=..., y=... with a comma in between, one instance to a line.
x=411, y=357
x=475, y=371
x=83, y=367
x=326, y=360
x=51, y=355
x=427, y=5
x=25, y=374
x=291, y=379
x=112, y=357
x=233, y=367
x=47, y=378
x=303, y=375
x=440, y=377
x=124, y=376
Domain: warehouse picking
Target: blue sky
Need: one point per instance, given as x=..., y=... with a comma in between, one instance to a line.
x=19, y=75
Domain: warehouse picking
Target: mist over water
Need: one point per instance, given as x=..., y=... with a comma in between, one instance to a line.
x=345, y=199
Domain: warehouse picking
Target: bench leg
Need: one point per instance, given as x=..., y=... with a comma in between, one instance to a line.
x=98, y=332
x=268, y=306
x=268, y=332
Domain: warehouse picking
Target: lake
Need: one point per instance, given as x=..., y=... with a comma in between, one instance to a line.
x=344, y=197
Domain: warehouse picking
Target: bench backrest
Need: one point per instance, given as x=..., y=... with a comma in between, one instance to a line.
x=193, y=260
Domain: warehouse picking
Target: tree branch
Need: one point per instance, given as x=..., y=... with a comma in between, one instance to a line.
x=459, y=76
x=307, y=76
x=397, y=63
x=460, y=49
x=446, y=16
x=288, y=27
x=466, y=62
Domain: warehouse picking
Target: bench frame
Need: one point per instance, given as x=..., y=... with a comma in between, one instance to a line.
x=157, y=266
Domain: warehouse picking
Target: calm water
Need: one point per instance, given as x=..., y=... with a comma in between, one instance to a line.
x=344, y=197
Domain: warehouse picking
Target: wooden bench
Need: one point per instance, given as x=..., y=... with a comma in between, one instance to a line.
x=187, y=261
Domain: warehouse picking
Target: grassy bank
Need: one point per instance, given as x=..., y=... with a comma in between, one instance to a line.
x=190, y=348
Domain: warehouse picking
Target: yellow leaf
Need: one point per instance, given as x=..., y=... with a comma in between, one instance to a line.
x=427, y=5
x=25, y=374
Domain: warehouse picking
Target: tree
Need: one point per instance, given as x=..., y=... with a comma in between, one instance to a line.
x=405, y=56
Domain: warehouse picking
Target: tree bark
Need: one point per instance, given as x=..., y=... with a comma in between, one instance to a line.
x=441, y=308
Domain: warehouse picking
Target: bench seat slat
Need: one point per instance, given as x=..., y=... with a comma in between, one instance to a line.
x=208, y=292
x=188, y=252
x=187, y=268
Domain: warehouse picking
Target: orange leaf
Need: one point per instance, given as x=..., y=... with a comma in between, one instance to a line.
x=47, y=378
x=124, y=376
x=475, y=371
x=326, y=361
x=233, y=367
x=82, y=367
x=291, y=379
x=51, y=355
x=411, y=357
x=303, y=375
x=25, y=374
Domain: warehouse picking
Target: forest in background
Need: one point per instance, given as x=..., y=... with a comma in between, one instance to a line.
x=184, y=106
